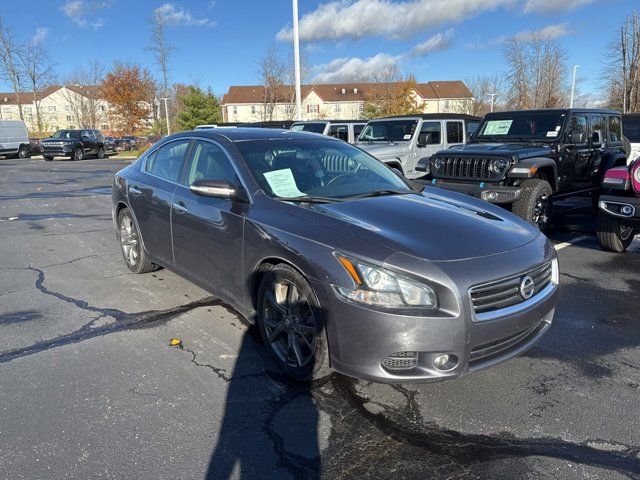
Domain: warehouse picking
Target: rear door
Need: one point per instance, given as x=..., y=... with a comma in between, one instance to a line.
x=455, y=133
x=207, y=231
x=151, y=193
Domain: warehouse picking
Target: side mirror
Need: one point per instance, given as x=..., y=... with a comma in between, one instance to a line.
x=218, y=189
x=423, y=139
x=423, y=165
x=576, y=137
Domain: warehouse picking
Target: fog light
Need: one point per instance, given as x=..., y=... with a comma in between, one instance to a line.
x=489, y=196
x=445, y=362
x=626, y=210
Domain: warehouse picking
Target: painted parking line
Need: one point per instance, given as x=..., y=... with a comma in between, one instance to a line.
x=573, y=241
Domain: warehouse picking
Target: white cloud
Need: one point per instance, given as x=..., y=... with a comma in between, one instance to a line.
x=83, y=13
x=553, y=6
x=362, y=18
x=176, y=16
x=550, y=32
x=40, y=35
x=353, y=69
x=440, y=41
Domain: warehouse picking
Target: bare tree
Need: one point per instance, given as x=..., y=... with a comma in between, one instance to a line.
x=622, y=75
x=484, y=87
x=272, y=73
x=83, y=95
x=159, y=47
x=39, y=72
x=537, y=72
x=9, y=63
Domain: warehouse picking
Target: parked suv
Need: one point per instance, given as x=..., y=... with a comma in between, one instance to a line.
x=402, y=142
x=347, y=130
x=75, y=144
x=619, y=209
x=527, y=159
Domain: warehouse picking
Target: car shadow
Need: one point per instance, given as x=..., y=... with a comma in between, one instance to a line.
x=270, y=423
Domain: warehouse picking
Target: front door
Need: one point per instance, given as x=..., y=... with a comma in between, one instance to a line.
x=430, y=141
x=579, y=151
x=208, y=232
x=150, y=195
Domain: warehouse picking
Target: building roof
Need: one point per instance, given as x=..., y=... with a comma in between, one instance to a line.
x=91, y=91
x=343, y=92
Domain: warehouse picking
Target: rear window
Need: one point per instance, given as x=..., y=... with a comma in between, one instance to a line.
x=615, y=129
x=631, y=128
x=308, y=127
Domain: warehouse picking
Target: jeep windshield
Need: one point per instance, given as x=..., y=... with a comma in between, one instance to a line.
x=388, y=131
x=522, y=126
x=66, y=134
x=309, y=127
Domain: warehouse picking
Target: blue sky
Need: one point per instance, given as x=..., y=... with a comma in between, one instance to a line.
x=219, y=43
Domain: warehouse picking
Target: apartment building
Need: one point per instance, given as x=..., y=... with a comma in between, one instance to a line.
x=343, y=101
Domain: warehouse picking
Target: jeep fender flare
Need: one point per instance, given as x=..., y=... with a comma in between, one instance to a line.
x=394, y=163
x=618, y=159
x=528, y=167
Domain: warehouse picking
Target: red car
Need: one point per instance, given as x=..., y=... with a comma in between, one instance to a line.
x=619, y=210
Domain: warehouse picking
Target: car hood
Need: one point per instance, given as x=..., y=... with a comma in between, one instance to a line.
x=519, y=150
x=436, y=225
x=384, y=149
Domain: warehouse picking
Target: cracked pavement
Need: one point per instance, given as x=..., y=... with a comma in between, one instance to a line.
x=90, y=387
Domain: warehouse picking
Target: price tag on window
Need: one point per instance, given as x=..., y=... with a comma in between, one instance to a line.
x=282, y=183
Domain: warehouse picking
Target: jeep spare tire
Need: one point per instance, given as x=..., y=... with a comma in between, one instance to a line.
x=533, y=203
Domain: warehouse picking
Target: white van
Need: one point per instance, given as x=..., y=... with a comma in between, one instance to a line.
x=14, y=139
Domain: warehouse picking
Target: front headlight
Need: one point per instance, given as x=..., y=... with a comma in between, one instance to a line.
x=439, y=163
x=499, y=166
x=381, y=287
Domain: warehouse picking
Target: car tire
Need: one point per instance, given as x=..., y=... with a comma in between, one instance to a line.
x=292, y=326
x=533, y=203
x=100, y=153
x=77, y=154
x=23, y=152
x=613, y=235
x=131, y=244
x=47, y=158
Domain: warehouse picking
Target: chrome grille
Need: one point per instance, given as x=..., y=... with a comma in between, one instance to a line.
x=506, y=292
x=464, y=168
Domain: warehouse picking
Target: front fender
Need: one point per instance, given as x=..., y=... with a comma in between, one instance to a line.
x=529, y=167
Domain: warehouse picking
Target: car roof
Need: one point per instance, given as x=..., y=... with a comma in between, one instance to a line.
x=559, y=110
x=243, y=133
x=433, y=116
x=301, y=122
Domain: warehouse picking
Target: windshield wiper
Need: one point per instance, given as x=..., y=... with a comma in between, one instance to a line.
x=309, y=199
x=383, y=191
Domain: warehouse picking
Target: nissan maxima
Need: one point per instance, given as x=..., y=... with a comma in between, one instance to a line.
x=341, y=263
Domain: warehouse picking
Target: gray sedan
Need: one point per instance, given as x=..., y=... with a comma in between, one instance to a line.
x=340, y=262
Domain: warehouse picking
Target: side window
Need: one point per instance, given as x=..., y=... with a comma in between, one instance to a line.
x=210, y=162
x=578, y=129
x=167, y=161
x=357, y=129
x=430, y=133
x=615, y=130
x=339, y=131
x=597, y=129
x=454, y=132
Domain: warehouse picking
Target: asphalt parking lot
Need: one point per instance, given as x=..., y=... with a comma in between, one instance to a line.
x=91, y=388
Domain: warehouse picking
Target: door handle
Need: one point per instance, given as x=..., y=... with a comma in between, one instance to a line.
x=135, y=190
x=180, y=207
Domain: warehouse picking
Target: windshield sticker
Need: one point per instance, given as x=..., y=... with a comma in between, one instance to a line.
x=497, y=127
x=282, y=183
x=552, y=134
x=407, y=137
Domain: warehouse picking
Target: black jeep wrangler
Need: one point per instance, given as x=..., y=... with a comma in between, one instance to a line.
x=75, y=144
x=530, y=158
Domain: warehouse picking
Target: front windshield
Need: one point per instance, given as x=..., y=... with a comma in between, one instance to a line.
x=388, y=131
x=527, y=126
x=287, y=168
x=66, y=134
x=631, y=128
x=308, y=127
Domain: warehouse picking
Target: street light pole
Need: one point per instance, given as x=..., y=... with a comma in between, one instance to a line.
x=573, y=85
x=493, y=96
x=296, y=60
x=166, y=114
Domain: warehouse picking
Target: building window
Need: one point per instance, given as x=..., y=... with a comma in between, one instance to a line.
x=253, y=109
x=69, y=118
x=67, y=108
x=52, y=108
x=103, y=108
x=105, y=127
x=361, y=107
x=234, y=110
x=446, y=105
x=312, y=108
x=337, y=108
x=6, y=110
x=27, y=109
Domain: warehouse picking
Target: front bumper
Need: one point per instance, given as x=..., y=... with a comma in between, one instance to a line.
x=498, y=194
x=360, y=338
x=57, y=151
x=623, y=208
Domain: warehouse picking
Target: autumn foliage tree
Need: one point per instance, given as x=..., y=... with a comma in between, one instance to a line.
x=129, y=91
x=393, y=94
